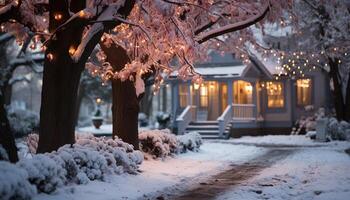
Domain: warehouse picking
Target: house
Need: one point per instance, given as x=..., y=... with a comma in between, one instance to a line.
x=238, y=99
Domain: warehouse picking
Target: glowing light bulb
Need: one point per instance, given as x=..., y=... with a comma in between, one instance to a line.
x=58, y=16
x=71, y=50
x=50, y=56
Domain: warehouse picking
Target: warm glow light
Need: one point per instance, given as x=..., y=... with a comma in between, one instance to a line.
x=196, y=86
x=98, y=100
x=49, y=56
x=58, y=16
x=71, y=50
x=81, y=14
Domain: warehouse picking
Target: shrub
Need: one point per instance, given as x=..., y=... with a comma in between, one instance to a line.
x=23, y=122
x=14, y=183
x=338, y=130
x=306, y=124
x=44, y=172
x=189, y=142
x=158, y=143
x=162, y=143
x=88, y=159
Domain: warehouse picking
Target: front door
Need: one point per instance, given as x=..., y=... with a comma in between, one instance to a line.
x=209, y=98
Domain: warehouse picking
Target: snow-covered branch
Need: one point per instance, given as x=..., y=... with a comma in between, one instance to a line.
x=234, y=27
x=93, y=35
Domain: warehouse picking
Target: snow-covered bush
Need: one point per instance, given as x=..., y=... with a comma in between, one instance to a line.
x=90, y=158
x=3, y=154
x=23, y=122
x=120, y=156
x=159, y=143
x=143, y=120
x=163, y=120
x=32, y=142
x=338, y=130
x=306, y=124
x=14, y=184
x=189, y=142
x=44, y=172
x=162, y=143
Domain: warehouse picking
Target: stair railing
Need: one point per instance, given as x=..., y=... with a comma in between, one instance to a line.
x=185, y=118
x=224, y=120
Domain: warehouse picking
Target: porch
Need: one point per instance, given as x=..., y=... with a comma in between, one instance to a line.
x=215, y=106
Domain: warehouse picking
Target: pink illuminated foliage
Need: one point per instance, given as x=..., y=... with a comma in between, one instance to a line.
x=156, y=35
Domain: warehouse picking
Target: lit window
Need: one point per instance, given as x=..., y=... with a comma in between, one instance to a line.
x=275, y=97
x=243, y=92
x=183, y=92
x=304, y=92
x=204, y=95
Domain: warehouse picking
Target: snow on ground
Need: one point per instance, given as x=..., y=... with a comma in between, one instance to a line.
x=158, y=175
x=311, y=173
x=104, y=130
x=281, y=140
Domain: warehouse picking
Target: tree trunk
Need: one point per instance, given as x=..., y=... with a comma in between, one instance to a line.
x=60, y=81
x=337, y=92
x=347, y=100
x=7, y=140
x=81, y=92
x=125, y=107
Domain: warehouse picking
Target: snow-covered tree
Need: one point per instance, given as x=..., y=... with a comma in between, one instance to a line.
x=11, y=59
x=321, y=31
x=151, y=32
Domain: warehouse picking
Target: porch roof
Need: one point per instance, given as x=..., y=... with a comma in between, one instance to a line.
x=236, y=70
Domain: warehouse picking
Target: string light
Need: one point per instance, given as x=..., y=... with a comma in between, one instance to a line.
x=50, y=56
x=71, y=50
x=58, y=16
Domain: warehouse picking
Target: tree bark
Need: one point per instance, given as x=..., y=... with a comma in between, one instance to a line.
x=61, y=78
x=7, y=139
x=337, y=92
x=125, y=107
x=347, y=100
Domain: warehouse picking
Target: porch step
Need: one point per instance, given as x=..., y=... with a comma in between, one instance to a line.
x=198, y=123
x=202, y=127
x=207, y=129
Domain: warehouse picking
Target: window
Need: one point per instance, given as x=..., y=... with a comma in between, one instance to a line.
x=243, y=92
x=223, y=96
x=304, y=92
x=204, y=95
x=275, y=97
x=183, y=92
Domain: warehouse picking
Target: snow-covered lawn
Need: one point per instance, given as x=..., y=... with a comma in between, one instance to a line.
x=158, y=175
x=282, y=140
x=315, y=173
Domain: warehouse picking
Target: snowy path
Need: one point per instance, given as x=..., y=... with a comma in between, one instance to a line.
x=233, y=176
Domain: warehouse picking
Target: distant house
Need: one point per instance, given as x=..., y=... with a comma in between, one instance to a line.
x=237, y=99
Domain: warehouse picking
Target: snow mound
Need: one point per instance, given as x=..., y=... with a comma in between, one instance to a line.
x=158, y=143
x=190, y=141
x=14, y=183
